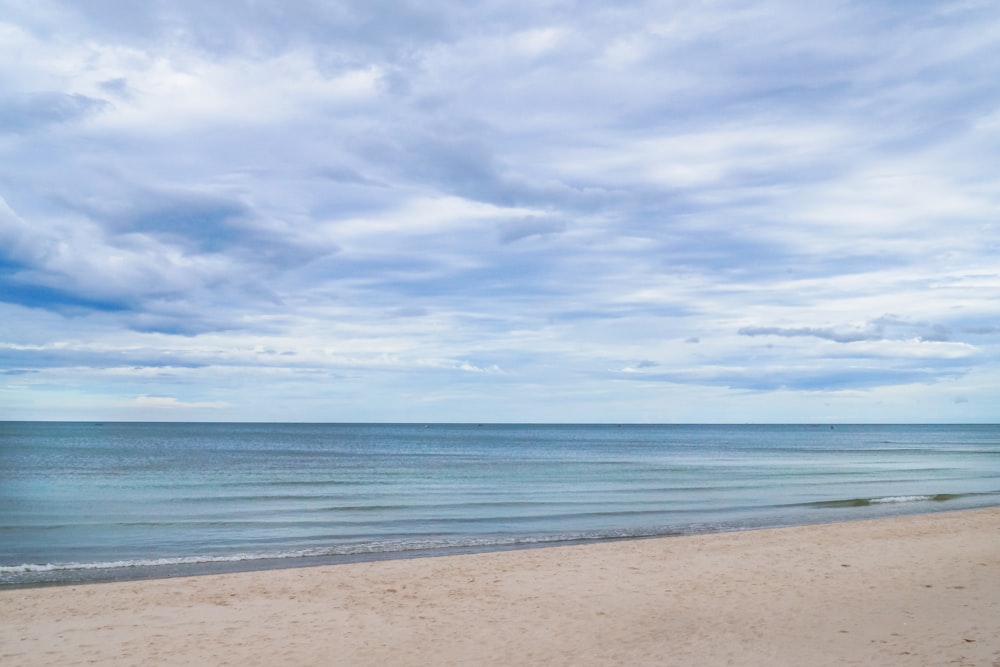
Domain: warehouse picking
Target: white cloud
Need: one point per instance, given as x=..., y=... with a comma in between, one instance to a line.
x=171, y=403
x=430, y=211
x=170, y=95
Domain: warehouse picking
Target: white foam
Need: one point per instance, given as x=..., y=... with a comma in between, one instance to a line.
x=374, y=547
x=52, y=567
x=900, y=499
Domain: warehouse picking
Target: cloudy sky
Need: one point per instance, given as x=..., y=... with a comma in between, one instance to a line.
x=563, y=210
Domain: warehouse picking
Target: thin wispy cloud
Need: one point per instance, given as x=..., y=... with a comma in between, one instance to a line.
x=479, y=212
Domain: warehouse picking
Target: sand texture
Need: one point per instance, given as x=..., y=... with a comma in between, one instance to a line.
x=920, y=590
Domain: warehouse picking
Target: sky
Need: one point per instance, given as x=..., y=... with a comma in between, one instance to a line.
x=560, y=211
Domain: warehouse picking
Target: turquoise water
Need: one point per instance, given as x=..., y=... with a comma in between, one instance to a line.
x=84, y=501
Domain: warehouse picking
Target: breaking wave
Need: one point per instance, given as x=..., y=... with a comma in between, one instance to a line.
x=416, y=547
x=883, y=500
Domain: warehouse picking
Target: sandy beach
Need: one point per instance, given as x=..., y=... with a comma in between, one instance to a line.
x=918, y=590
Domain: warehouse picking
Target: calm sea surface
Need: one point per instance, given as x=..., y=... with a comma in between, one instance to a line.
x=84, y=501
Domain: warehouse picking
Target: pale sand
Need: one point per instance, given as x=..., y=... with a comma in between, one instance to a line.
x=921, y=590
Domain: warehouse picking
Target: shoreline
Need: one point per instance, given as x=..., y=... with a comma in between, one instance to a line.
x=187, y=567
x=918, y=589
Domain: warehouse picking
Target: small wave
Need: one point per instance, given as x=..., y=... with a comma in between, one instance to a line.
x=356, y=549
x=110, y=565
x=885, y=500
x=899, y=499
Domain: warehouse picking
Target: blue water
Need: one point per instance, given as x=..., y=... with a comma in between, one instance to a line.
x=85, y=502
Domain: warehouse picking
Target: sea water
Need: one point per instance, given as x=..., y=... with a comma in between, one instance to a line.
x=88, y=502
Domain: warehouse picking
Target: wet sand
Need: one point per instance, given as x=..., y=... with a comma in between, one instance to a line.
x=917, y=590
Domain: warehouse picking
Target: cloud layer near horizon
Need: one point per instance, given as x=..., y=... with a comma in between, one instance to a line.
x=572, y=211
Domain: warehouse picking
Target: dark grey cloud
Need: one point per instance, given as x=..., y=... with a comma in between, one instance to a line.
x=117, y=86
x=936, y=333
x=25, y=112
x=820, y=379
x=52, y=357
x=515, y=230
x=62, y=300
x=375, y=28
x=458, y=161
x=837, y=380
x=824, y=333
x=982, y=330
x=208, y=220
x=880, y=328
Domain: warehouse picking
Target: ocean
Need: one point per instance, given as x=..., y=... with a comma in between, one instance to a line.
x=84, y=502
